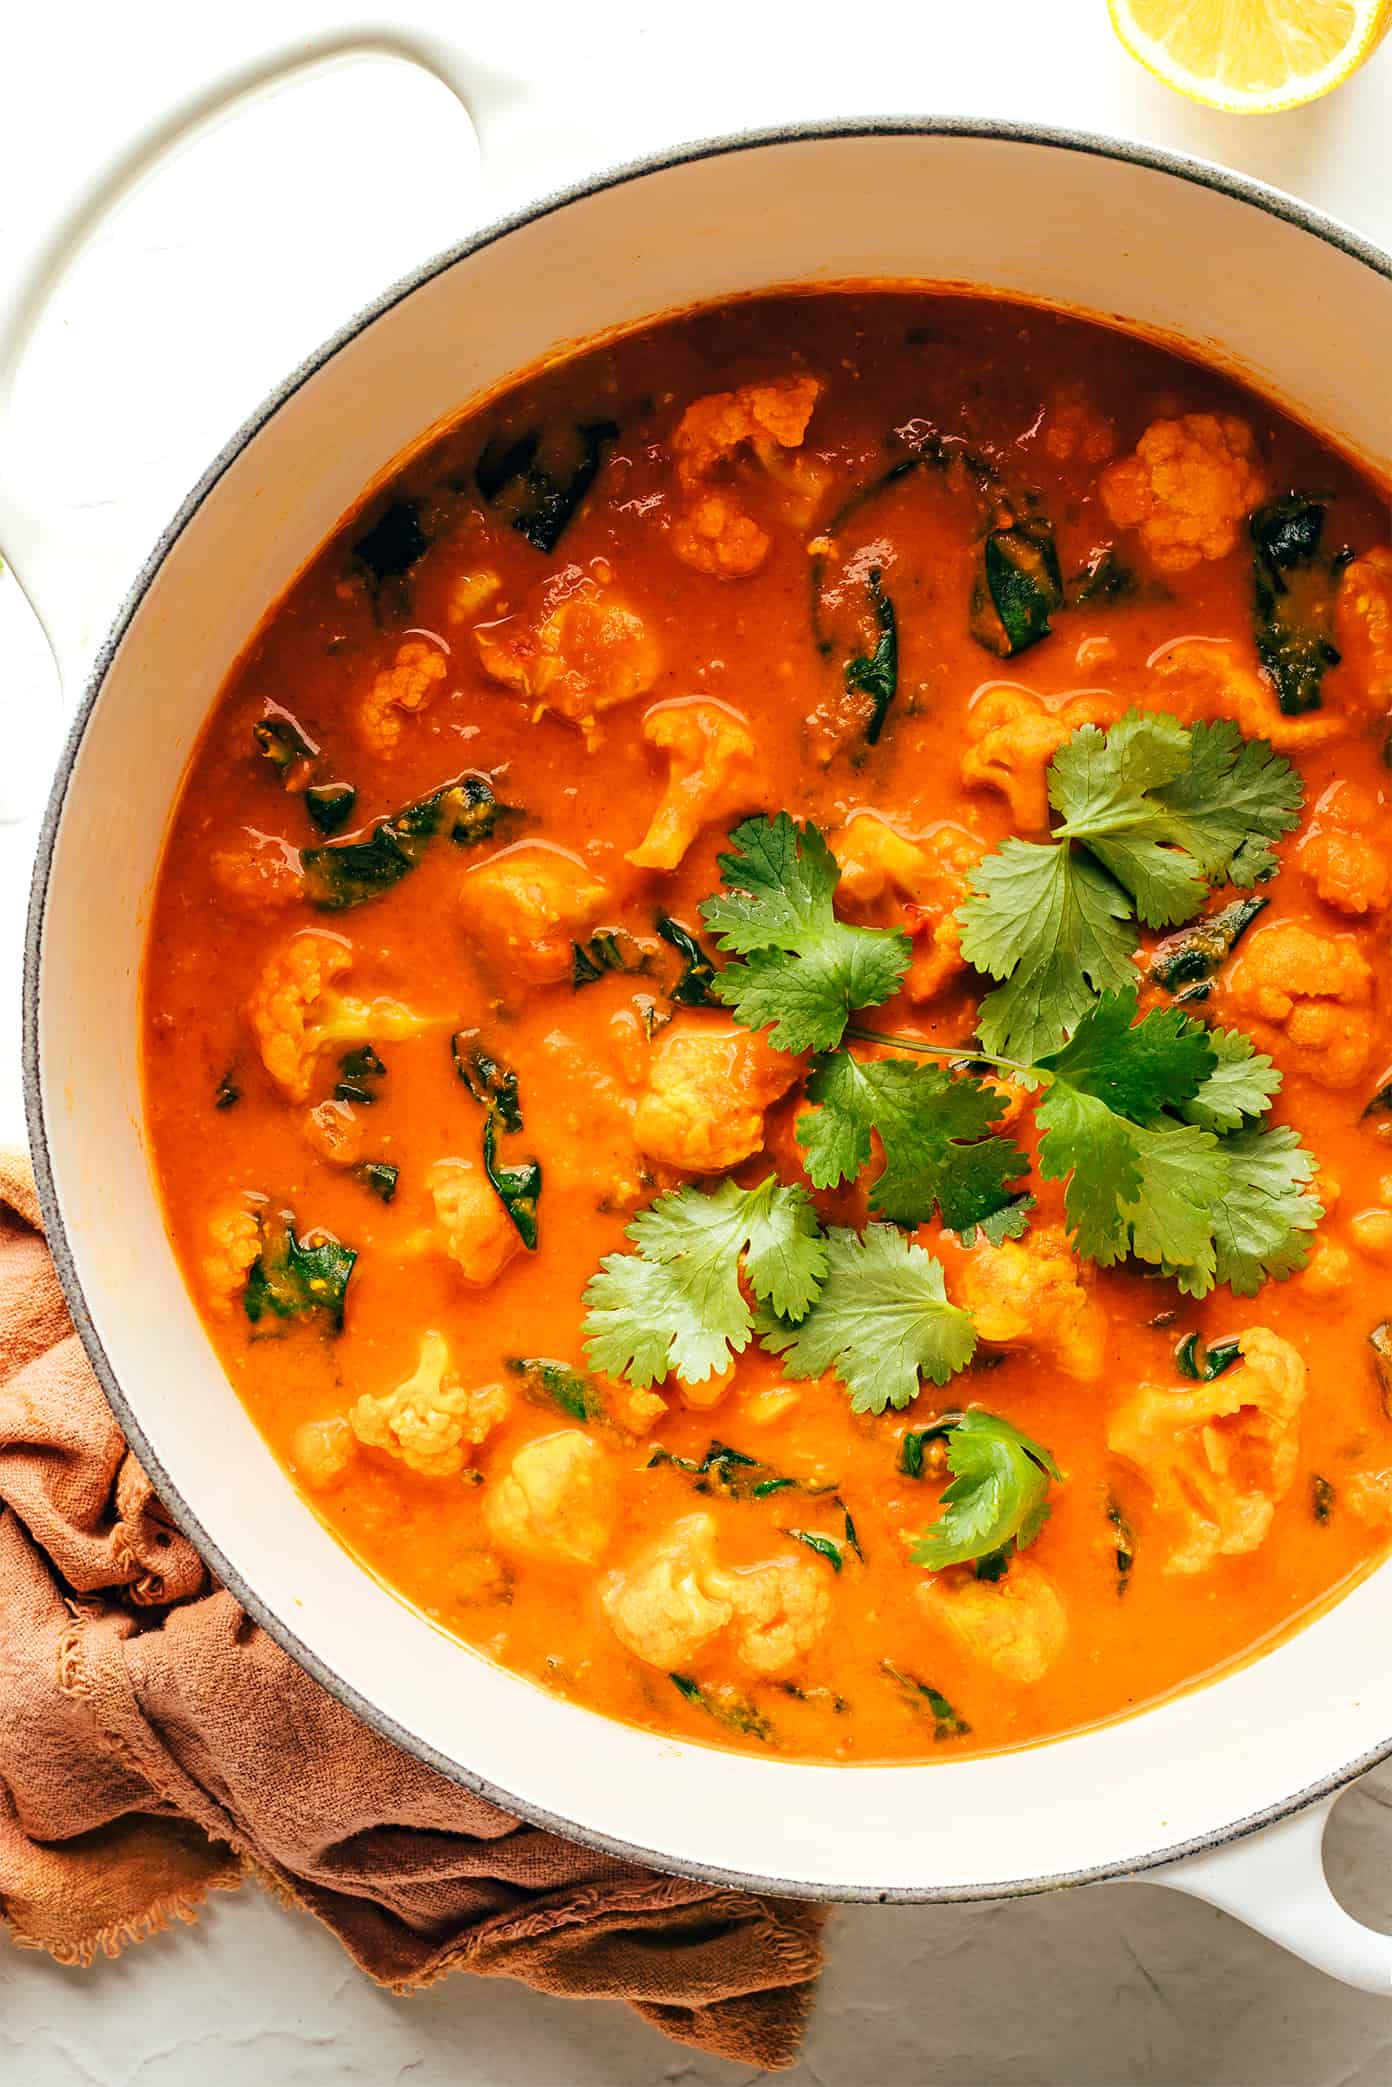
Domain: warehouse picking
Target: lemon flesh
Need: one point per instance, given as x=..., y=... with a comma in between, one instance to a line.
x=1253, y=56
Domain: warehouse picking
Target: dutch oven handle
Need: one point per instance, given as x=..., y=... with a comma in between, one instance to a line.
x=522, y=145
x=1274, y=1881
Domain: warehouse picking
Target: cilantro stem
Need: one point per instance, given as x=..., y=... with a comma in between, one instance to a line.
x=965, y=1053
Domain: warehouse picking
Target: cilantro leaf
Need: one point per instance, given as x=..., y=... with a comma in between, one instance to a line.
x=1236, y=798
x=998, y=1495
x=804, y=971
x=882, y=1321
x=1131, y=1189
x=1129, y=1122
x=935, y=1130
x=1153, y=814
x=1240, y=1086
x=1262, y=1225
x=1051, y=924
x=1136, y=1068
x=1152, y=784
x=677, y=1304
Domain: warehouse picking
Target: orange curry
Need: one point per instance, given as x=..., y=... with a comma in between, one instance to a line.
x=434, y=1015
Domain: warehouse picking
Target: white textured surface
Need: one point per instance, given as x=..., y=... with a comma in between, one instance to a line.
x=216, y=277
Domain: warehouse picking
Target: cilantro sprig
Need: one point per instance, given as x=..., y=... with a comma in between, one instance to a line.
x=801, y=972
x=936, y=1130
x=882, y=1321
x=1153, y=1126
x=998, y=1498
x=1153, y=815
x=677, y=1304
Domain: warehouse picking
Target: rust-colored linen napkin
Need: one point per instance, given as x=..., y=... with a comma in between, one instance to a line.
x=156, y=1745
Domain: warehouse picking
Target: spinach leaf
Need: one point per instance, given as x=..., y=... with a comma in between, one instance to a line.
x=547, y=1382
x=518, y=1188
x=359, y=1072
x=921, y=1695
x=1191, y=956
x=1381, y=1341
x=825, y=1546
x=1018, y=588
x=1201, y=1364
x=1293, y=589
x=731, y=1472
x=1381, y=1103
x=377, y=1175
x=539, y=480
x=1124, y=1547
x=877, y=674
x=1322, y=1498
x=694, y=987
x=609, y=950
x=291, y=1278
x=492, y=1084
x=348, y=873
x=394, y=542
x=726, y=1705
x=330, y=805
x=494, y=1087
x=280, y=741
x=1104, y=579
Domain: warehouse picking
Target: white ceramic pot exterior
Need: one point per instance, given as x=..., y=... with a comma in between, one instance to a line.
x=1237, y=276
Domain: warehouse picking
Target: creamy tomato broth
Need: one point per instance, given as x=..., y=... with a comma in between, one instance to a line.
x=429, y=983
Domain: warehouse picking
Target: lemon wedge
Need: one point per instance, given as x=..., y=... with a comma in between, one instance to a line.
x=1251, y=57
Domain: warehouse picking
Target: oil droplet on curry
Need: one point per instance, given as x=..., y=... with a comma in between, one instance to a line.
x=765, y=1032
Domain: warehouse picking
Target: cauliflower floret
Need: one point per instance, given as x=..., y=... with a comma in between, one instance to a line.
x=234, y=1235
x=1014, y=736
x=589, y=653
x=1187, y=490
x=929, y=872
x=1219, y=1458
x=1035, y=1293
x=527, y=905
x=1017, y=1624
x=260, y=878
x=713, y=533
x=782, y=1609
x=556, y=1499
x=430, y=1421
x=763, y=417
x=711, y=775
x=670, y=1601
x=1328, y=1271
x=1204, y=679
x=709, y=1083
x=675, y=1597
x=473, y=1227
x=411, y=682
x=1348, y=870
x=1317, y=989
x=1369, y=1497
x=296, y=1012
x=334, y=1131
x=1363, y=628
x=322, y=1452
x=1073, y=427
x=471, y=591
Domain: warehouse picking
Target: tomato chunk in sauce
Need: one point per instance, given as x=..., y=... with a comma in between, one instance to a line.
x=433, y=1015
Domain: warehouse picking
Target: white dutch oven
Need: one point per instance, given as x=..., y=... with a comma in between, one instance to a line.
x=1223, y=1792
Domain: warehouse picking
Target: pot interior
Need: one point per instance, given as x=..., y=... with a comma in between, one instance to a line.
x=1060, y=222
